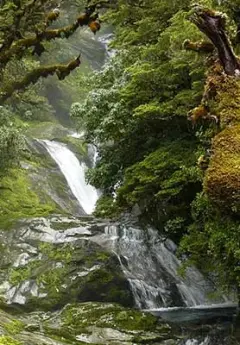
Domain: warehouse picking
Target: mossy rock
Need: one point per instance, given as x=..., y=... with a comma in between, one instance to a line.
x=84, y=323
x=18, y=200
x=80, y=316
x=107, y=284
x=222, y=180
x=55, y=274
x=76, y=145
x=45, y=130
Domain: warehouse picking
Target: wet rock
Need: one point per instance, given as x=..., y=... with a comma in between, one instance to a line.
x=86, y=323
x=49, y=262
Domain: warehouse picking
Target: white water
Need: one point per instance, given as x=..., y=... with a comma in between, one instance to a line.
x=74, y=172
x=151, y=267
x=206, y=341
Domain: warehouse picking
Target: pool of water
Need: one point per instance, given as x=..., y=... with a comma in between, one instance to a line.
x=217, y=312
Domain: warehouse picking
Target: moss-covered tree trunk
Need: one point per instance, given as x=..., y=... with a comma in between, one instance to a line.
x=213, y=25
x=222, y=98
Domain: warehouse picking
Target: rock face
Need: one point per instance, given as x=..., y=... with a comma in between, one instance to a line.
x=46, y=263
x=49, y=269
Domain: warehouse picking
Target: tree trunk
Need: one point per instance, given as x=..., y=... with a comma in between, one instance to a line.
x=212, y=24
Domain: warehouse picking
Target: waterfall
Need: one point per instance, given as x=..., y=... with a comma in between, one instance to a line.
x=151, y=268
x=74, y=172
x=147, y=260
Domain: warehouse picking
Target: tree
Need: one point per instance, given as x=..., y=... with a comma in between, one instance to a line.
x=26, y=27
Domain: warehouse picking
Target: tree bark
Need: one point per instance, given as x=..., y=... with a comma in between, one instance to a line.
x=213, y=25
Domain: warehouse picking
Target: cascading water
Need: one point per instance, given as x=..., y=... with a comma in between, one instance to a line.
x=148, y=262
x=152, y=269
x=74, y=172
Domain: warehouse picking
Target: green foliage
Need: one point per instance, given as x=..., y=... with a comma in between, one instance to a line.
x=137, y=110
x=107, y=207
x=11, y=140
x=14, y=327
x=213, y=242
x=136, y=114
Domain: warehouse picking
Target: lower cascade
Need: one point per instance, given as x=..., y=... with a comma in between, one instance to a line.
x=152, y=269
x=74, y=172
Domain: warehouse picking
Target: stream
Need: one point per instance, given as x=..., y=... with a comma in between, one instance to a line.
x=148, y=261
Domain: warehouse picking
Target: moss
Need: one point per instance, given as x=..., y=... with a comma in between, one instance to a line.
x=227, y=99
x=4, y=340
x=107, y=315
x=17, y=200
x=18, y=275
x=14, y=327
x=61, y=70
x=222, y=180
x=45, y=130
x=106, y=285
x=64, y=225
x=56, y=253
x=52, y=280
x=76, y=145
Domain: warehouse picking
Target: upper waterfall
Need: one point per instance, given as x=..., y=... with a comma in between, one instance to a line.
x=74, y=172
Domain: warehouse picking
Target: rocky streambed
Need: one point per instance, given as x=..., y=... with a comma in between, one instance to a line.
x=67, y=280
x=59, y=286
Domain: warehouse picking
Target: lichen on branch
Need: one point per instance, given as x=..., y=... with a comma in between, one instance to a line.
x=199, y=46
x=32, y=77
x=19, y=46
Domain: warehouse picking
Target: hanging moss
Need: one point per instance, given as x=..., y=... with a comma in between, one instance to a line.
x=32, y=77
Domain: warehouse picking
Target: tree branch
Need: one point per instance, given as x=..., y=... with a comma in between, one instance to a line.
x=200, y=46
x=213, y=25
x=21, y=45
x=32, y=77
x=22, y=11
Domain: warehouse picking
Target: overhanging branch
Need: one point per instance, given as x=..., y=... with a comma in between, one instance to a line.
x=199, y=46
x=32, y=77
x=19, y=46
